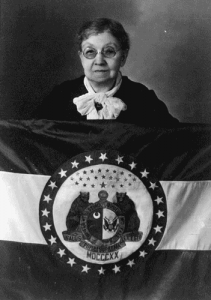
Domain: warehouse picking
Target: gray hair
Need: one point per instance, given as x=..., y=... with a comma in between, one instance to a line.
x=100, y=25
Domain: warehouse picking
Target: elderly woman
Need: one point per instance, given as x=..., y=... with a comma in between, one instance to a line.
x=102, y=92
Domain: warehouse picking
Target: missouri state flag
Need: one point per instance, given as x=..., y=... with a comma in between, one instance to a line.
x=103, y=210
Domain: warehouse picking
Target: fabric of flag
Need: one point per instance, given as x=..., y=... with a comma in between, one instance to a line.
x=102, y=210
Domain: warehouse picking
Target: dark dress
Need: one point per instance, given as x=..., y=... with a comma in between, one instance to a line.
x=143, y=106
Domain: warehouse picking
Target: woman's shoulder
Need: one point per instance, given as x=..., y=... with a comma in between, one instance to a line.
x=128, y=83
x=67, y=90
x=144, y=105
x=137, y=91
x=70, y=84
x=57, y=104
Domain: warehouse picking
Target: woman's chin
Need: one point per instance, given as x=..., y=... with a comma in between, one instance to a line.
x=101, y=74
x=101, y=80
x=102, y=77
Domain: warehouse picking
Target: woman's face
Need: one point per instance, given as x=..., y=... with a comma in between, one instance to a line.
x=101, y=70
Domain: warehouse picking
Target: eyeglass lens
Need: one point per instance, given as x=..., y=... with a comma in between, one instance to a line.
x=108, y=52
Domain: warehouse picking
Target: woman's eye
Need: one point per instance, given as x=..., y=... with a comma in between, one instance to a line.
x=109, y=52
x=89, y=52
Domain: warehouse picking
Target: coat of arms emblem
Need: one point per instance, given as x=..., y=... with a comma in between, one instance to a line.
x=102, y=208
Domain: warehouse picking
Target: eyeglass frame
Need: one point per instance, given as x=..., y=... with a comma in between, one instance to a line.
x=100, y=51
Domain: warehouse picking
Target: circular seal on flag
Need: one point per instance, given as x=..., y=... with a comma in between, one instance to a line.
x=103, y=211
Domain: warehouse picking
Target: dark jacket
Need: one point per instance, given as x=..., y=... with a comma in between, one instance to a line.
x=143, y=106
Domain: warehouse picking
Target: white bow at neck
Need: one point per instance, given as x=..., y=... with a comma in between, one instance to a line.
x=111, y=106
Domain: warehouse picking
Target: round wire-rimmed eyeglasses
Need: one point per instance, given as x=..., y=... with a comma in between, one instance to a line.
x=108, y=52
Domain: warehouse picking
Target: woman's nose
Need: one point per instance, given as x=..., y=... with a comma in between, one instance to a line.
x=99, y=59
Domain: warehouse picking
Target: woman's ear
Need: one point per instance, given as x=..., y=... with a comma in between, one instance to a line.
x=124, y=57
x=79, y=53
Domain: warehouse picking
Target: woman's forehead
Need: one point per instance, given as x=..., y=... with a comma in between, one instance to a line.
x=100, y=39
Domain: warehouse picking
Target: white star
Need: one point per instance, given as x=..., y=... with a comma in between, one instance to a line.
x=85, y=269
x=144, y=174
x=158, y=228
x=52, y=240
x=74, y=164
x=103, y=156
x=71, y=261
x=160, y=214
x=45, y=212
x=119, y=159
x=159, y=200
x=47, y=198
x=61, y=252
x=116, y=269
x=153, y=185
x=152, y=242
x=143, y=253
x=88, y=159
x=52, y=184
x=132, y=165
x=62, y=173
x=131, y=263
x=101, y=271
x=47, y=226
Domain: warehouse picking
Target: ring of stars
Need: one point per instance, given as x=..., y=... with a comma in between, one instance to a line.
x=78, y=166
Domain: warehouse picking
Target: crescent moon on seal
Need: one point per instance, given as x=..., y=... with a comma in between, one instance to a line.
x=96, y=215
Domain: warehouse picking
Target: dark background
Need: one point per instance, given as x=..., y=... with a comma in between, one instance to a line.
x=170, y=53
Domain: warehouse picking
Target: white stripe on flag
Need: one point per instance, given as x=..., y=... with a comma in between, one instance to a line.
x=188, y=204
x=19, y=207
x=189, y=215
